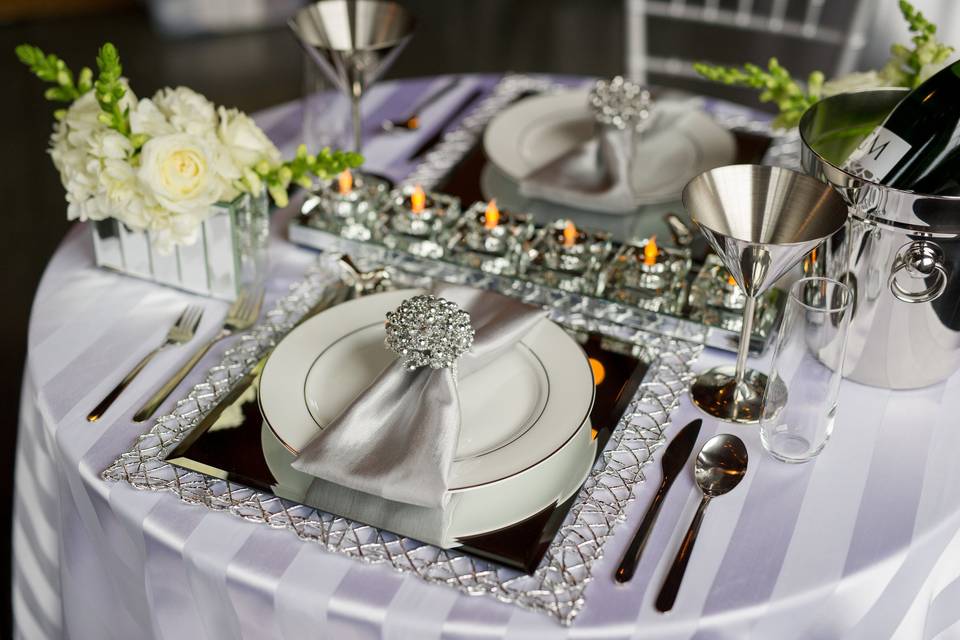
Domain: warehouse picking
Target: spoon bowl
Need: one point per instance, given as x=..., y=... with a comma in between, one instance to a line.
x=721, y=464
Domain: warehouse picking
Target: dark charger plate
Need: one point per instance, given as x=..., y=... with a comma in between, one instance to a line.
x=227, y=445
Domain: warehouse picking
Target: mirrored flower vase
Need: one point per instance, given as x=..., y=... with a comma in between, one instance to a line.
x=230, y=252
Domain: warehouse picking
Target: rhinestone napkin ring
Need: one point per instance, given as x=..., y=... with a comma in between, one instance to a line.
x=427, y=331
x=621, y=104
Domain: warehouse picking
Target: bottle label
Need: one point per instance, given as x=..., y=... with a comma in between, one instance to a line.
x=877, y=155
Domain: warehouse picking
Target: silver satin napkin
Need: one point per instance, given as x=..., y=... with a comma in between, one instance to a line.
x=398, y=438
x=618, y=169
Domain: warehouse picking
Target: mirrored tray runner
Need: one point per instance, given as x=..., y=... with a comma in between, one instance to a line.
x=570, y=540
x=682, y=294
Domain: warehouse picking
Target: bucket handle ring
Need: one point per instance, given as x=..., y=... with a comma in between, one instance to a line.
x=919, y=259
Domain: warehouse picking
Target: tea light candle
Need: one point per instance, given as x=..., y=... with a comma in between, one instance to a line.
x=352, y=195
x=568, y=248
x=649, y=266
x=415, y=212
x=651, y=261
x=489, y=229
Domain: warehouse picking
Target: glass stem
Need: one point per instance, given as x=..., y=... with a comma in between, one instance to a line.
x=746, y=332
x=355, y=113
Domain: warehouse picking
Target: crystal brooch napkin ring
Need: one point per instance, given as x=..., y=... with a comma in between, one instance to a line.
x=621, y=104
x=427, y=330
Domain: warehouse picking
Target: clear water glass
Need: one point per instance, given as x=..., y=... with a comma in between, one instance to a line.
x=800, y=401
x=326, y=110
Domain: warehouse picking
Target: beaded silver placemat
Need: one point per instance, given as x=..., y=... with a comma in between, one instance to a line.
x=557, y=586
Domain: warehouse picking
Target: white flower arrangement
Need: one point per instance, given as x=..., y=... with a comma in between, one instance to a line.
x=159, y=164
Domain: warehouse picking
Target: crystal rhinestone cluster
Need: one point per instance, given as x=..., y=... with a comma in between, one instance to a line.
x=428, y=331
x=620, y=103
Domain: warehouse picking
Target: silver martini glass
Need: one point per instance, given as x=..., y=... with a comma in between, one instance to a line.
x=353, y=42
x=761, y=221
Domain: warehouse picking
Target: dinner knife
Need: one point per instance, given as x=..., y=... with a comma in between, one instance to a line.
x=673, y=462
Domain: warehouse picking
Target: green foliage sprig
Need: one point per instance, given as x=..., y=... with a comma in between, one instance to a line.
x=50, y=68
x=110, y=90
x=776, y=85
x=301, y=169
x=907, y=67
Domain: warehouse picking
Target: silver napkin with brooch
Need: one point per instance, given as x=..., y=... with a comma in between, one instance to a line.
x=397, y=440
x=642, y=152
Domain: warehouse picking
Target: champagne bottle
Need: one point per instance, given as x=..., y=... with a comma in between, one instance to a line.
x=917, y=147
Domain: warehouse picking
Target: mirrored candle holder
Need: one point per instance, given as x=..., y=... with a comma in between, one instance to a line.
x=565, y=257
x=716, y=300
x=419, y=222
x=489, y=238
x=347, y=205
x=648, y=276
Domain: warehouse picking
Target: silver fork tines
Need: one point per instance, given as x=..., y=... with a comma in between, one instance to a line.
x=181, y=332
x=242, y=315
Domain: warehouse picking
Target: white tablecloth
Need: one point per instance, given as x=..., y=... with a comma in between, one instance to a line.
x=862, y=543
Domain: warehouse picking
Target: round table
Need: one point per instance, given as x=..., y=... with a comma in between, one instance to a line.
x=864, y=542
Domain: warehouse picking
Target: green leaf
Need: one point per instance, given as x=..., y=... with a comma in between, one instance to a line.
x=49, y=68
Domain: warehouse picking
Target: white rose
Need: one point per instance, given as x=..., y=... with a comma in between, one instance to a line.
x=187, y=110
x=147, y=119
x=244, y=140
x=176, y=170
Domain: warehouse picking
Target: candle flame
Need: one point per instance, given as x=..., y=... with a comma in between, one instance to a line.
x=731, y=281
x=345, y=182
x=599, y=371
x=650, y=252
x=491, y=217
x=418, y=199
x=569, y=234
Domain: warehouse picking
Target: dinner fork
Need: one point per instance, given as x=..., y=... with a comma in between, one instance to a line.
x=181, y=332
x=240, y=317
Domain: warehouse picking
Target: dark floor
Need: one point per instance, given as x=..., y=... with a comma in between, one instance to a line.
x=249, y=71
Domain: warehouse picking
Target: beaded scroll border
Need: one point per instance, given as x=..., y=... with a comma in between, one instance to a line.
x=557, y=586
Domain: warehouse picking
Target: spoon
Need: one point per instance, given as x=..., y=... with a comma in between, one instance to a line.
x=720, y=467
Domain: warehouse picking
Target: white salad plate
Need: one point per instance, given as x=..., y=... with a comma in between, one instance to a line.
x=525, y=443
x=541, y=129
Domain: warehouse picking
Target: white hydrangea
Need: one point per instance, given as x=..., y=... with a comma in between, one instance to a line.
x=193, y=156
x=188, y=111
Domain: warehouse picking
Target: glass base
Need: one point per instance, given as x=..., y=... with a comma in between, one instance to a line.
x=790, y=448
x=714, y=393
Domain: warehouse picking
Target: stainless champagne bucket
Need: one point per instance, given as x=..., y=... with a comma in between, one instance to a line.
x=899, y=252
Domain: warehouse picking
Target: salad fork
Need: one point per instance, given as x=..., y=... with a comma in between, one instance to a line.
x=181, y=332
x=240, y=317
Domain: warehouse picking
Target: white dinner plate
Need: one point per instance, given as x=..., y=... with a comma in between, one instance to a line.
x=538, y=130
x=515, y=413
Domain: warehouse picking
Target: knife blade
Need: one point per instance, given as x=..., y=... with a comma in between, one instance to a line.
x=674, y=461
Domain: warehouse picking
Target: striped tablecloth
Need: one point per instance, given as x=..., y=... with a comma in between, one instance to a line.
x=862, y=543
